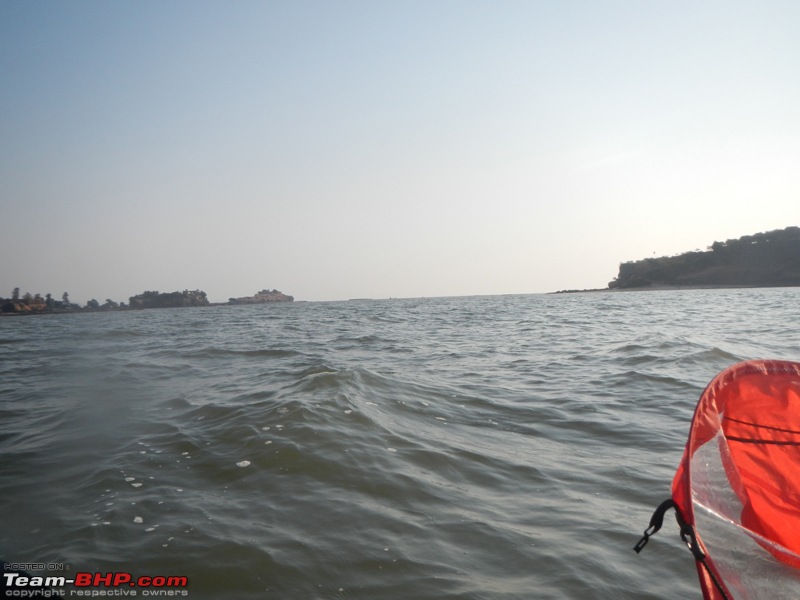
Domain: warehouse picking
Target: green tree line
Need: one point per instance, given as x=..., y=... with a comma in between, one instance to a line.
x=36, y=303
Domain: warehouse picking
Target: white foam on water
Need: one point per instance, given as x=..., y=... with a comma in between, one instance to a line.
x=243, y=463
x=138, y=520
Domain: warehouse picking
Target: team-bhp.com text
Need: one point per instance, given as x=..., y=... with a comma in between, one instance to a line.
x=94, y=584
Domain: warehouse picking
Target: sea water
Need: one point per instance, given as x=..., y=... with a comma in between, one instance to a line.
x=501, y=447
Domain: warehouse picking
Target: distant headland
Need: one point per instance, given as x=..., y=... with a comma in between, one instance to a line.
x=30, y=304
x=770, y=259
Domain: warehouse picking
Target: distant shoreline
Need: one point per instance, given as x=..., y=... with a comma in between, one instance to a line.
x=670, y=288
x=651, y=288
x=80, y=310
x=38, y=305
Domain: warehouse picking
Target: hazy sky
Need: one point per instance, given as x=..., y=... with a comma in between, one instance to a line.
x=347, y=149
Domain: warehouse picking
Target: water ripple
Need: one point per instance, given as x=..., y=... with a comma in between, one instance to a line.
x=493, y=447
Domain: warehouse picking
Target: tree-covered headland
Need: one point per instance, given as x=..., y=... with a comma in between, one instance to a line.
x=770, y=259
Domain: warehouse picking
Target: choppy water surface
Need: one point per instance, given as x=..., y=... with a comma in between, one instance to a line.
x=474, y=448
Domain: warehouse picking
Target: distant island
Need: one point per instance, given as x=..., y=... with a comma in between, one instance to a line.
x=30, y=304
x=262, y=297
x=770, y=259
x=169, y=300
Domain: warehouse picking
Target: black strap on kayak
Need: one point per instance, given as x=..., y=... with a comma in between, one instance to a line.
x=688, y=535
x=656, y=521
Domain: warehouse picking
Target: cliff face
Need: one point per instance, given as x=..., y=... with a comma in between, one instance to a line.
x=763, y=259
x=263, y=297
